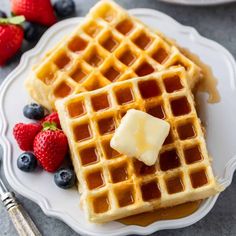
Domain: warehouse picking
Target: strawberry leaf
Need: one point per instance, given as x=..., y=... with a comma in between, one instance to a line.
x=16, y=20
x=50, y=126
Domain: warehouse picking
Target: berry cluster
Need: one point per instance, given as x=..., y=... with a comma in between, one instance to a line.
x=29, y=18
x=43, y=141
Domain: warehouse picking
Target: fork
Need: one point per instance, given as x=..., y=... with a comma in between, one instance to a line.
x=23, y=223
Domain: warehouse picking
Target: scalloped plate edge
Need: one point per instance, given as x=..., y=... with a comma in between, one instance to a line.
x=43, y=202
x=199, y=3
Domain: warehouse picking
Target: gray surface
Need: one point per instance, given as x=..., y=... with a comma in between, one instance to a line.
x=217, y=23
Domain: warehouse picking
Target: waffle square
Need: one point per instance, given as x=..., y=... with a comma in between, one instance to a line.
x=113, y=185
x=108, y=46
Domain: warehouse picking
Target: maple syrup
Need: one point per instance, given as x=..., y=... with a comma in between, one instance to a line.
x=78, y=74
x=172, y=84
x=160, y=55
x=95, y=60
x=169, y=213
x=169, y=138
x=95, y=180
x=110, y=44
x=106, y=125
x=141, y=169
x=101, y=204
x=208, y=83
x=141, y=143
x=112, y=74
x=192, y=154
x=128, y=58
x=180, y=106
x=119, y=174
x=186, y=131
x=149, y=88
x=144, y=69
x=156, y=111
x=89, y=156
x=125, y=197
x=62, y=90
x=198, y=178
x=124, y=95
x=143, y=41
x=169, y=160
x=82, y=132
x=62, y=60
x=76, y=109
x=100, y=102
x=174, y=185
x=150, y=191
x=77, y=44
x=109, y=151
x=125, y=26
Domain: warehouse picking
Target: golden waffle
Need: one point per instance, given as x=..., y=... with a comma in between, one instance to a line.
x=113, y=185
x=109, y=45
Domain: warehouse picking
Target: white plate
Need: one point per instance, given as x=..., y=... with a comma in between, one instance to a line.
x=64, y=205
x=199, y=2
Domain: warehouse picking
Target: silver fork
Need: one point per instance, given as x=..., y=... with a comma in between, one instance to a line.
x=23, y=223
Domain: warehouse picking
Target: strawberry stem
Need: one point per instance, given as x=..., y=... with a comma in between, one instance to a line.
x=16, y=20
x=50, y=126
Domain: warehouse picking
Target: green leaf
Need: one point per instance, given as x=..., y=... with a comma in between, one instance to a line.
x=50, y=126
x=3, y=20
x=16, y=20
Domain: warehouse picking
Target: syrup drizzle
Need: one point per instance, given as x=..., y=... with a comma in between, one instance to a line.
x=208, y=84
x=170, y=213
x=141, y=143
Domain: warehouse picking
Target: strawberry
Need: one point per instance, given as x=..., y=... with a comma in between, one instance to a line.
x=11, y=37
x=53, y=117
x=25, y=134
x=50, y=147
x=35, y=11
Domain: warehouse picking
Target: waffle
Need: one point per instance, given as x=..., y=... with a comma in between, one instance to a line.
x=114, y=186
x=109, y=45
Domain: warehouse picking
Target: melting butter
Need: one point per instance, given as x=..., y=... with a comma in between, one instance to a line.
x=142, y=144
x=140, y=135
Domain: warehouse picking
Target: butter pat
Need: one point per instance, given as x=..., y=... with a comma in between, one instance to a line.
x=140, y=135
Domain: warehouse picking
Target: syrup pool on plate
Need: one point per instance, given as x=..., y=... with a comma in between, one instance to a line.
x=208, y=83
x=169, y=213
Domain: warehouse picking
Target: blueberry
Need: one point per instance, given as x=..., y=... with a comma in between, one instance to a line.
x=64, y=8
x=3, y=14
x=27, y=162
x=33, y=111
x=31, y=31
x=64, y=178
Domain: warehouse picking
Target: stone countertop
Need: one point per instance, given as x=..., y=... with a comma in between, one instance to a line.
x=215, y=22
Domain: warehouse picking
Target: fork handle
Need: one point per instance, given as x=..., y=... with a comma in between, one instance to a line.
x=20, y=218
x=22, y=222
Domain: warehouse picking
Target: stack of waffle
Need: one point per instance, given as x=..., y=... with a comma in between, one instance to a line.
x=115, y=186
x=108, y=46
x=94, y=71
